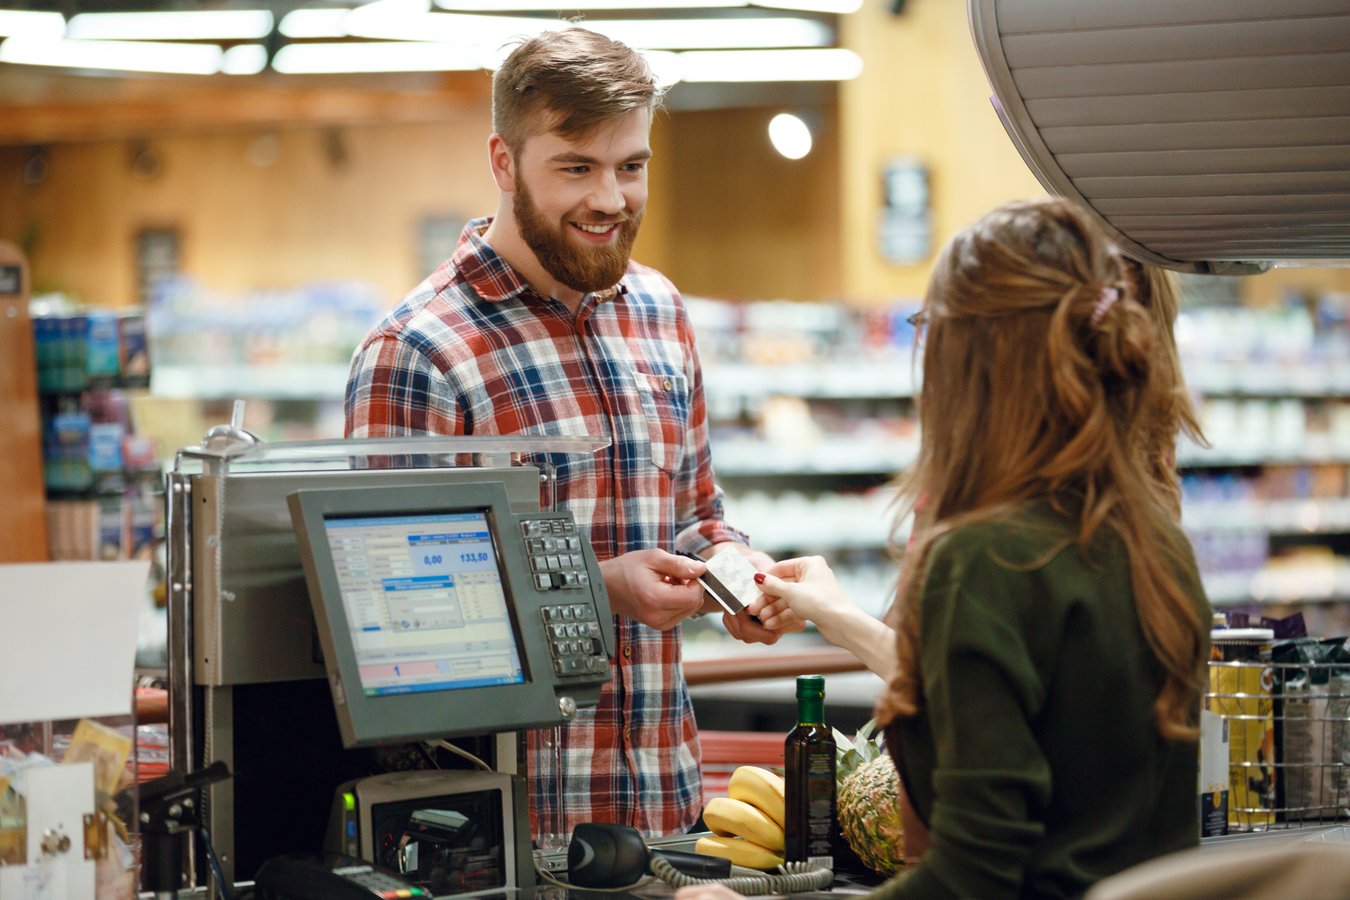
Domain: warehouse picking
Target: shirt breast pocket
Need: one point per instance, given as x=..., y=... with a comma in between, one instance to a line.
x=664, y=396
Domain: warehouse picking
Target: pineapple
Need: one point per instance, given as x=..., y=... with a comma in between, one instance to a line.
x=868, y=800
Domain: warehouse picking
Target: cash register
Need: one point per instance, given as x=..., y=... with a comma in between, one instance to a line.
x=333, y=616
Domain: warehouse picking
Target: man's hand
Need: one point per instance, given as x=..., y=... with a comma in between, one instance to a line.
x=653, y=587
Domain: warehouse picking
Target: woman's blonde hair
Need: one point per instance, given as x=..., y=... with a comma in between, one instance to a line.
x=1040, y=372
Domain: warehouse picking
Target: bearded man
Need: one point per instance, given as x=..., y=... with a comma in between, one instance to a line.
x=540, y=324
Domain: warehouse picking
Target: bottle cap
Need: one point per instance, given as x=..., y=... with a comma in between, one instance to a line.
x=810, y=686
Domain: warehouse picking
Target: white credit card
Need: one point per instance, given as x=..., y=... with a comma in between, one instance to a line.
x=735, y=577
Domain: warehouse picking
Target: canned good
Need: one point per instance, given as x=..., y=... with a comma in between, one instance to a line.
x=1240, y=690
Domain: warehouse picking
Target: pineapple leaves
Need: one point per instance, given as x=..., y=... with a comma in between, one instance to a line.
x=851, y=753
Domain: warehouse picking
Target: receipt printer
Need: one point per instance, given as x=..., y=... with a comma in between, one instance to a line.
x=455, y=833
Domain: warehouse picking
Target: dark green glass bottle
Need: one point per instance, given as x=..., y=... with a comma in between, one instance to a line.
x=808, y=758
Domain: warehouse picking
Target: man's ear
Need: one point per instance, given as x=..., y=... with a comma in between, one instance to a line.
x=503, y=163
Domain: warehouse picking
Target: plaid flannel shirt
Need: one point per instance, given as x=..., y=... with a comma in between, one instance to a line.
x=474, y=349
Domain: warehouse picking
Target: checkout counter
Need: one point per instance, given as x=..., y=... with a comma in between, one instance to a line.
x=334, y=604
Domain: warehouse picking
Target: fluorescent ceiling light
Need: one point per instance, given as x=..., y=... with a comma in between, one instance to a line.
x=315, y=23
x=841, y=7
x=571, y=5
x=654, y=34
x=27, y=24
x=297, y=59
x=821, y=6
x=198, y=25
x=406, y=22
x=707, y=34
x=832, y=64
x=244, y=59
x=122, y=56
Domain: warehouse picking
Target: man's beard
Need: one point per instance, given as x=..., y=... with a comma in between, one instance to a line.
x=584, y=269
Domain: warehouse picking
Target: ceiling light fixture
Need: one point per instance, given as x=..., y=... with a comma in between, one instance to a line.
x=120, y=56
x=709, y=34
x=838, y=7
x=578, y=5
x=244, y=59
x=28, y=24
x=790, y=135
x=654, y=34
x=829, y=64
x=399, y=24
x=314, y=23
x=194, y=25
x=427, y=56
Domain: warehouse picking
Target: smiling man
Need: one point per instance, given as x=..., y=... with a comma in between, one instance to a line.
x=540, y=323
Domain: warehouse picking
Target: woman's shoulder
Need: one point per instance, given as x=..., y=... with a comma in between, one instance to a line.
x=1018, y=535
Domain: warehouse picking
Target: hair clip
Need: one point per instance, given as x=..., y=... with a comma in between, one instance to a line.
x=1105, y=299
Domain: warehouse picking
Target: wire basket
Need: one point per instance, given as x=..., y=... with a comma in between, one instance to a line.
x=1288, y=730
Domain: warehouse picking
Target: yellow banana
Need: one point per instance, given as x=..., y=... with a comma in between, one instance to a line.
x=740, y=851
x=760, y=788
x=726, y=816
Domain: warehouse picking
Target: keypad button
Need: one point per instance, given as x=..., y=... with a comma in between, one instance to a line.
x=543, y=581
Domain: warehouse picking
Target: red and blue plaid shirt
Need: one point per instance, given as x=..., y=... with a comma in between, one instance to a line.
x=474, y=349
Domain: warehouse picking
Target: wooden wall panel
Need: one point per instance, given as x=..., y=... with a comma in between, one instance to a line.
x=23, y=511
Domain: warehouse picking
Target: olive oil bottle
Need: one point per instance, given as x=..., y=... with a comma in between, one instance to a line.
x=808, y=757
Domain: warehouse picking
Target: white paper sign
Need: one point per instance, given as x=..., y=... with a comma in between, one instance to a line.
x=68, y=638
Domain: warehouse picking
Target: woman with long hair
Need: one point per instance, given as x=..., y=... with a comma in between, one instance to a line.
x=1050, y=631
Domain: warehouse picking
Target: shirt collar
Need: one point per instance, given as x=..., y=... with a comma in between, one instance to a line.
x=492, y=277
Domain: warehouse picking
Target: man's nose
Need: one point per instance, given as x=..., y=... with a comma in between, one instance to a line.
x=605, y=195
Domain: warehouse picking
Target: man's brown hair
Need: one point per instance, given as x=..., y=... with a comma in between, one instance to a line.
x=569, y=82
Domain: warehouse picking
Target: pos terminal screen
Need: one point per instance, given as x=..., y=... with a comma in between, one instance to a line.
x=425, y=602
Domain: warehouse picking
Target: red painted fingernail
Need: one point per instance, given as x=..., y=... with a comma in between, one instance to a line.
x=759, y=578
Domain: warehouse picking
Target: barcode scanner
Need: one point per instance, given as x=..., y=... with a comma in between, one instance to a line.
x=601, y=855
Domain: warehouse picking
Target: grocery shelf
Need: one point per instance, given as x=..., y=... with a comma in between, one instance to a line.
x=1299, y=379
x=885, y=378
x=1190, y=457
x=840, y=455
x=1281, y=583
x=320, y=381
x=1330, y=516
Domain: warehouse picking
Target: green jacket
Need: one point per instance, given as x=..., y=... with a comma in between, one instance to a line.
x=1036, y=761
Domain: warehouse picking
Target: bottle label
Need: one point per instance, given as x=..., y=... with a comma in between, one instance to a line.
x=820, y=808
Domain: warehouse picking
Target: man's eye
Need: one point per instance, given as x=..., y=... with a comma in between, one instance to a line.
x=577, y=170
x=634, y=167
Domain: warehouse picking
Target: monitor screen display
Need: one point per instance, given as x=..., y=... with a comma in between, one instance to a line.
x=425, y=603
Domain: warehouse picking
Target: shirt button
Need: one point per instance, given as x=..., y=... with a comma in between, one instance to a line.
x=667, y=384
x=627, y=732
x=627, y=652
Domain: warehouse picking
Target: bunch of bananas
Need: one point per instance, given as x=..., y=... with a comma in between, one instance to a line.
x=747, y=825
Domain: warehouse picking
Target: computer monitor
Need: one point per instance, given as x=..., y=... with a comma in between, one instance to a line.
x=442, y=613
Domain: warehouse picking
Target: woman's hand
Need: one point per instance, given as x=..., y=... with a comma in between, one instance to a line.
x=804, y=587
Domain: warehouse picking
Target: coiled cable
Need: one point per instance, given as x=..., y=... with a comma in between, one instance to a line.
x=798, y=877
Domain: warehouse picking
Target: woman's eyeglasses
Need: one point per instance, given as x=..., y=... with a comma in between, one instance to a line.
x=917, y=320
